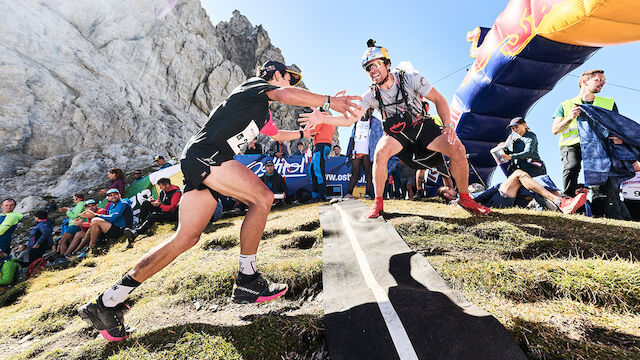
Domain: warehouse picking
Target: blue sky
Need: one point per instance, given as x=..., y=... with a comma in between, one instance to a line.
x=327, y=39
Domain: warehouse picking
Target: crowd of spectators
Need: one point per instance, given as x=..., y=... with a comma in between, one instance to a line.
x=85, y=225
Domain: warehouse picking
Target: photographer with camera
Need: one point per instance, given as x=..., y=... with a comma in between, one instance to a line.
x=522, y=152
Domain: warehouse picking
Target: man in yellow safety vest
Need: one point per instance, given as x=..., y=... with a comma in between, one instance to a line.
x=565, y=123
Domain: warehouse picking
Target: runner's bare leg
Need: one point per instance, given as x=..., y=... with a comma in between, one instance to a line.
x=386, y=148
x=245, y=186
x=458, y=156
x=196, y=208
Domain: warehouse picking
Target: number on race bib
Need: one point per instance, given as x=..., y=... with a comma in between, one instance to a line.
x=239, y=142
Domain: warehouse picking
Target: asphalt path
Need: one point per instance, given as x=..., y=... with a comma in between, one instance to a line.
x=384, y=301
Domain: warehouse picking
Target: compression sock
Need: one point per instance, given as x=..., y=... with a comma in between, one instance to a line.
x=118, y=293
x=247, y=264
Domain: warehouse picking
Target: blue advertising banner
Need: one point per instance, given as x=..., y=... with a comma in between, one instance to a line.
x=295, y=171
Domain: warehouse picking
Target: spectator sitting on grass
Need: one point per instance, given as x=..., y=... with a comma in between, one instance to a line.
x=505, y=195
x=81, y=238
x=274, y=181
x=164, y=209
x=73, y=228
x=21, y=253
x=253, y=148
x=116, y=181
x=8, y=221
x=119, y=216
x=40, y=237
x=161, y=162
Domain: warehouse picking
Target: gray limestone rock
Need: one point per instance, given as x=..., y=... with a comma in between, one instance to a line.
x=89, y=85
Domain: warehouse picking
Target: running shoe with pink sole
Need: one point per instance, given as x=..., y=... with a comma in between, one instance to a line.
x=257, y=290
x=108, y=321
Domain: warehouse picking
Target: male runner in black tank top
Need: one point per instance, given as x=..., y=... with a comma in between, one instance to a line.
x=209, y=169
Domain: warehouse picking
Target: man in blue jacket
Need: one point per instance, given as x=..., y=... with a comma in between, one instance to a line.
x=111, y=225
x=40, y=236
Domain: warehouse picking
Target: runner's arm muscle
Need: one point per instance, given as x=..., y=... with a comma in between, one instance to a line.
x=442, y=107
x=301, y=97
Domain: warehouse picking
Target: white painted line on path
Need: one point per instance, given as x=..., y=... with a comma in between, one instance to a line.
x=396, y=329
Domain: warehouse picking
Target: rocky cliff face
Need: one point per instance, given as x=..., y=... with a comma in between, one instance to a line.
x=89, y=85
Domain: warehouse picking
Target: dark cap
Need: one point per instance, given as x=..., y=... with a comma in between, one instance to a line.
x=271, y=66
x=268, y=162
x=158, y=157
x=516, y=121
x=41, y=214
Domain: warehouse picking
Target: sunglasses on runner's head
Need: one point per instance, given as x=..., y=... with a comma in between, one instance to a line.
x=377, y=63
x=294, y=78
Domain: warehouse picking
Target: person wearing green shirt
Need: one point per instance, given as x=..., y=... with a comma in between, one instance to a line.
x=565, y=124
x=75, y=221
x=8, y=222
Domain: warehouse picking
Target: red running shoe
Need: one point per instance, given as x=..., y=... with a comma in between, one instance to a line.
x=470, y=204
x=569, y=206
x=376, y=210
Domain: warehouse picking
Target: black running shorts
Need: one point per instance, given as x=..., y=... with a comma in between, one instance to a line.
x=195, y=170
x=114, y=232
x=414, y=139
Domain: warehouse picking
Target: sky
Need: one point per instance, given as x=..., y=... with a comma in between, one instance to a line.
x=327, y=39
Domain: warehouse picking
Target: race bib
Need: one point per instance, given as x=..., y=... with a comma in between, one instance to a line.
x=362, y=131
x=238, y=143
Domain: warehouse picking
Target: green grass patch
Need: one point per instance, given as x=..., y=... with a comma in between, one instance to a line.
x=302, y=240
x=541, y=341
x=608, y=283
x=222, y=242
x=12, y=294
x=499, y=238
x=195, y=285
x=267, y=337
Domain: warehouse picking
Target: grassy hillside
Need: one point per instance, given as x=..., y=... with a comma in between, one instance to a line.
x=566, y=287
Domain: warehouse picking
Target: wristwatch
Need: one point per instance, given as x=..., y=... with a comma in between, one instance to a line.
x=327, y=104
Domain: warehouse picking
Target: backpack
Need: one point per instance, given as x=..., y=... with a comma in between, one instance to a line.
x=405, y=98
x=35, y=267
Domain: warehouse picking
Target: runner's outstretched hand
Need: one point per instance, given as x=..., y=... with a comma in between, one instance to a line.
x=310, y=120
x=344, y=104
x=309, y=131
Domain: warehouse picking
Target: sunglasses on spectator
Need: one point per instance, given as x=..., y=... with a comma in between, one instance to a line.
x=377, y=63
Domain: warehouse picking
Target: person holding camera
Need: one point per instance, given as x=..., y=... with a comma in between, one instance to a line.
x=522, y=153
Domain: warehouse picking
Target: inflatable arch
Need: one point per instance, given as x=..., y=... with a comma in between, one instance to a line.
x=531, y=46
